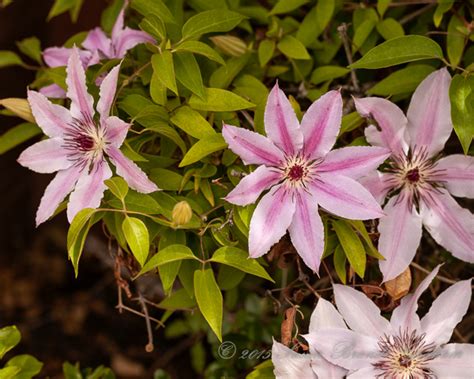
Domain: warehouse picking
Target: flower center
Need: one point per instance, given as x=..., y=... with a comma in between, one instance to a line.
x=406, y=355
x=296, y=172
x=413, y=175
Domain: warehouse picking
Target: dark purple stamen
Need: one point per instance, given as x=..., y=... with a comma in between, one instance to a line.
x=296, y=172
x=413, y=175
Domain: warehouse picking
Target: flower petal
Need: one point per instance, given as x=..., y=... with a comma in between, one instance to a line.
x=89, y=189
x=62, y=184
x=253, y=148
x=344, y=197
x=321, y=123
x=364, y=373
x=457, y=174
x=456, y=361
x=252, y=185
x=53, y=91
x=270, y=220
x=378, y=184
x=359, y=312
x=344, y=347
x=446, y=312
x=116, y=130
x=354, y=161
x=107, y=92
x=400, y=235
x=119, y=22
x=128, y=170
x=46, y=156
x=289, y=364
x=404, y=316
x=449, y=224
x=127, y=39
x=325, y=369
x=81, y=101
x=429, y=113
x=97, y=40
x=390, y=120
x=56, y=56
x=281, y=124
x=53, y=119
x=307, y=230
x=325, y=316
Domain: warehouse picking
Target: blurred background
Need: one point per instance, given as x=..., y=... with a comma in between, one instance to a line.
x=60, y=318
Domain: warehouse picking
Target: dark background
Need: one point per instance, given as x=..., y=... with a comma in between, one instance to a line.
x=60, y=318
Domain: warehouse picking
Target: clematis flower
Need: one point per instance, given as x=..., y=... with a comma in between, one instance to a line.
x=297, y=165
x=79, y=144
x=417, y=183
x=404, y=347
x=292, y=365
x=97, y=46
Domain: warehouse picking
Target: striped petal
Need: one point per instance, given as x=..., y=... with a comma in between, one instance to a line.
x=253, y=148
x=127, y=39
x=81, y=101
x=97, y=40
x=354, y=161
x=281, y=123
x=107, y=92
x=270, y=221
x=400, y=236
x=390, y=120
x=429, y=113
x=307, y=231
x=321, y=124
x=252, y=185
x=53, y=91
x=128, y=170
x=378, y=184
x=115, y=130
x=457, y=174
x=46, y=156
x=288, y=364
x=455, y=361
x=344, y=197
x=449, y=224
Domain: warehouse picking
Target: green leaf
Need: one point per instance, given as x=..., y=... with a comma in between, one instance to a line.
x=61, y=6
x=9, y=338
x=164, y=129
x=339, y=260
x=324, y=73
x=178, y=300
x=441, y=9
x=200, y=48
x=390, y=28
x=154, y=26
x=154, y=7
x=118, y=186
x=455, y=40
x=188, y=73
x=402, y=81
x=351, y=245
x=216, y=20
x=17, y=135
x=9, y=58
x=29, y=366
x=31, y=47
x=293, y=48
x=163, y=70
x=461, y=95
x=209, y=299
x=382, y=6
x=265, y=51
x=136, y=234
x=237, y=258
x=219, y=100
x=350, y=122
x=400, y=50
x=362, y=33
x=169, y=254
x=76, y=236
x=362, y=231
x=324, y=11
x=309, y=30
x=192, y=123
x=168, y=180
x=203, y=148
x=286, y=6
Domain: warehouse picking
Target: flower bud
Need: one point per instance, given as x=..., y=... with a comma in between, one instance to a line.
x=230, y=45
x=182, y=213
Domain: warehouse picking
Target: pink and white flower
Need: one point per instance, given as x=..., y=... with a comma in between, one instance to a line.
x=79, y=144
x=417, y=182
x=404, y=347
x=298, y=167
x=289, y=364
x=96, y=46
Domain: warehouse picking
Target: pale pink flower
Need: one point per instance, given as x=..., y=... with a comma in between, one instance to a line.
x=291, y=365
x=78, y=145
x=417, y=182
x=301, y=171
x=404, y=347
x=96, y=46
